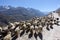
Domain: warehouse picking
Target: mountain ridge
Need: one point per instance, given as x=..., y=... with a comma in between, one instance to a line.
x=12, y=14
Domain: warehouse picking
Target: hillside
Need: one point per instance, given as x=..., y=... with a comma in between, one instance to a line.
x=13, y=14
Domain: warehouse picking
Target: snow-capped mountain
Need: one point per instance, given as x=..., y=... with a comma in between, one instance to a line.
x=6, y=7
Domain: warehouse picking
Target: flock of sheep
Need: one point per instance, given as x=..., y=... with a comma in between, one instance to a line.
x=33, y=27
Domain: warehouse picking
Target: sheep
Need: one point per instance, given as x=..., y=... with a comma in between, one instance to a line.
x=23, y=31
x=13, y=26
x=4, y=33
x=8, y=36
x=15, y=35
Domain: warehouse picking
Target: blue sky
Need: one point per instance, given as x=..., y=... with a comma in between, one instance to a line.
x=42, y=5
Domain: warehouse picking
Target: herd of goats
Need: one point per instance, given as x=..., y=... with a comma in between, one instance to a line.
x=33, y=27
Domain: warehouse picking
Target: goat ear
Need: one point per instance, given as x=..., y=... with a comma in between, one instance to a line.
x=35, y=35
x=22, y=33
x=40, y=35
